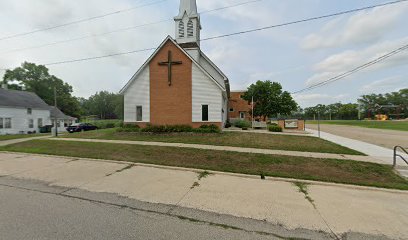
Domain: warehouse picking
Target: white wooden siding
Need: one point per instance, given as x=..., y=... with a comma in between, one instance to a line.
x=20, y=118
x=138, y=94
x=206, y=92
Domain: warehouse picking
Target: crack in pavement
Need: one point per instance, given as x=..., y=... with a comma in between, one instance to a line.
x=123, y=206
x=302, y=187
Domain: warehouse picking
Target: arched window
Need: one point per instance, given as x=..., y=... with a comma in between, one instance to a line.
x=181, y=29
x=190, y=29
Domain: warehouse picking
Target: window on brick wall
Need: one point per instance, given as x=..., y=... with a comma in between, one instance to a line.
x=139, y=113
x=231, y=110
x=204, y=113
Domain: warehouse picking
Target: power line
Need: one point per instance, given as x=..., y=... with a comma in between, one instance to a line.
x=231, y=34
x=120, y=30
x=80, y=21
x=304, y=20
x=357, y=69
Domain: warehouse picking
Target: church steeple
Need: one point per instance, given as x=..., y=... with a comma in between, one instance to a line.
x=188, y=24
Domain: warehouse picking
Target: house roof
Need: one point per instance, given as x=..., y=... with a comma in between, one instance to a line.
x=57, y=113
x=168, y=38
x=21, y=99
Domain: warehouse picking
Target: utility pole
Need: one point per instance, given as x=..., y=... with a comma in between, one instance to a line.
x=252, y=112
x=55, y=117
x=318, y=122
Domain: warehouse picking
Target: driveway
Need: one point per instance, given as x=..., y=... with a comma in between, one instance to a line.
x=384, y=138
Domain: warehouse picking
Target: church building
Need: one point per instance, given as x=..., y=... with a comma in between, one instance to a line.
x=178, y=84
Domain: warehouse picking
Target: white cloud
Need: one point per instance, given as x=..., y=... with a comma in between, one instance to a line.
x=350, y=59
x=363, y=27
x=385, y=85
x=308, y=100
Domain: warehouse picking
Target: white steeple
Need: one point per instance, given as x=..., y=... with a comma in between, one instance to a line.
x=188, y=24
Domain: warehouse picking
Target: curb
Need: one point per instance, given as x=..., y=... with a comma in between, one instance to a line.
x=240, y=175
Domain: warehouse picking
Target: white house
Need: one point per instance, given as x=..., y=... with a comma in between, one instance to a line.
x=24, y=112
x=178, y=84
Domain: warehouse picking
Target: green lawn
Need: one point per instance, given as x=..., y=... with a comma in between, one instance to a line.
x=328, y=170
x=389, y=125
x=248, y=140
x=11, y=137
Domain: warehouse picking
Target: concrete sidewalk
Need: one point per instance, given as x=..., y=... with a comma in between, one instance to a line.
x=231, y=149
x=332, y=208
x=20, y=140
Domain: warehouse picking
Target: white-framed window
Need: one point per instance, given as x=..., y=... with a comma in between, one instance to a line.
x=231, y=110
x=7, y=123
x=139, y=113
x=242, y=115
x=181, y=29
x=30, y=123
x=40, y=122
x=204, y=113
x=190, y=28
x=29, y=111
x=1, y=123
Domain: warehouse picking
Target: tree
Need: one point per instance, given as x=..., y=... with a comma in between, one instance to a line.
x=104, y=104
x=270, y=100
x=37, y=79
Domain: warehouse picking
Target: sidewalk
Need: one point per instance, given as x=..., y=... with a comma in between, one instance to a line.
x=231, y=149
x=20, y=140
x=332, y=208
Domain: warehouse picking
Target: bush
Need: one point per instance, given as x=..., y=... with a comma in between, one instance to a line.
x=208, y=129
x=104, y=124
x=273, y=124
x=242, y=124
x=273, y=128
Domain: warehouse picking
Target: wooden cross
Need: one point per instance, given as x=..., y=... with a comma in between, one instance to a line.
x=169, y=64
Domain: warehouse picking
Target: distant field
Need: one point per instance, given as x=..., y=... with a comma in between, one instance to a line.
x=388, y=125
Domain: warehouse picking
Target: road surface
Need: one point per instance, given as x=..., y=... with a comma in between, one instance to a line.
x=380, y=137
x=31, y=210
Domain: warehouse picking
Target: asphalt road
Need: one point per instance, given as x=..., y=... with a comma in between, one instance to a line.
x=33, y=210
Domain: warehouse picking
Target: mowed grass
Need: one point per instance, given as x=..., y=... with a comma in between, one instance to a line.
x=388, y=125
x=11, y=137
x=328, y=170
x=247, y=140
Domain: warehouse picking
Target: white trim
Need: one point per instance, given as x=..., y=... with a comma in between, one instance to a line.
x=168, y=38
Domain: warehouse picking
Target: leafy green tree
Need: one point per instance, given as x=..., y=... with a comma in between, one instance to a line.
x=37, y=79
x=270, y=100
x=104, y=104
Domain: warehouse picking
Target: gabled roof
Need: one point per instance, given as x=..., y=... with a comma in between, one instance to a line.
x=168, y=38
x=21, y=99
x=57, y=113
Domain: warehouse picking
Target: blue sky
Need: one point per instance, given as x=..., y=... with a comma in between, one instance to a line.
x=296, y=56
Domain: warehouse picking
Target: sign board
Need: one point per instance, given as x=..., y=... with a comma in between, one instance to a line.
x=292, y=123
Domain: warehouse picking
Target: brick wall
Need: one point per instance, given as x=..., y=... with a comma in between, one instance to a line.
x=239, y=105
x=171, y=105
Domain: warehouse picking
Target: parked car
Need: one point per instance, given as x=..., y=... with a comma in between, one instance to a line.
x=79, y=127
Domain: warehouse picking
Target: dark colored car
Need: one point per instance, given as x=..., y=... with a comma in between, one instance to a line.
x=79, y=127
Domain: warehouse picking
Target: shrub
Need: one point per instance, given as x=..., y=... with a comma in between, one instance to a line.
x=228, y=125
x=103, y=124
x=208, y=129
x=273, y=124
x=273, y=128
x=242, y=124
x=129, y=128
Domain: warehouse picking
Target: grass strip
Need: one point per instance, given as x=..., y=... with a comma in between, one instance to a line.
x=327, y=170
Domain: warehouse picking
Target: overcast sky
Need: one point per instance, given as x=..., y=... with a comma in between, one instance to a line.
x=296, y=56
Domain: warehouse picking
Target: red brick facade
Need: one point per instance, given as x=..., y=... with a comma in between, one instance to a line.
x=171, y=105
x=238, y=107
